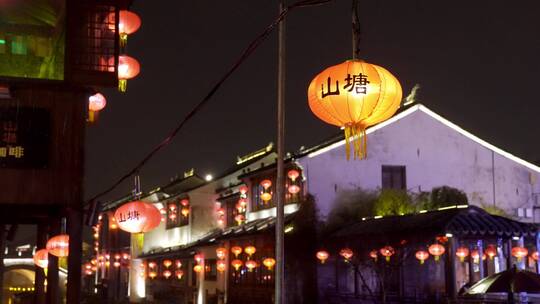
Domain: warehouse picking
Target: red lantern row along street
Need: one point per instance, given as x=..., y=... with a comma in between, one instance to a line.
x=354, y=95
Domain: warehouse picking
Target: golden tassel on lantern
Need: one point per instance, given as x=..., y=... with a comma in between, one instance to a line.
x=355, y=136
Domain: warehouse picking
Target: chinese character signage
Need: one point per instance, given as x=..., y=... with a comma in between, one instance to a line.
x=24, y=137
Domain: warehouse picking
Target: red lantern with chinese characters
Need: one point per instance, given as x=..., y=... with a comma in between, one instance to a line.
x=462, y=253
x=236, y=264
x=137, y=217
x=58, y=245
x=294, y=189
x=436, y=250
x=293, y=174
x=41, y=258
x=476, y=256
x=128, y=24
x=373, y=254
x=221, y=266
x=250, y=250
x=387, y=252
x=519, y=253
x=491, y=252
x=221, y=253
x=97, y=102
x=346, y=253
x=236, y=250
x=354, y=95
x=179, y=274
x=266, y=184
x=197, y=268
x=322, y=255
x=243, y=189
x=250, y=265
x=167, y=263
x=167, y=274
x=269, y=263
x=128, y=68
x=422, y=255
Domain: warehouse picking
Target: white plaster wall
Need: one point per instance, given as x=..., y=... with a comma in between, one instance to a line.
x=434, y=155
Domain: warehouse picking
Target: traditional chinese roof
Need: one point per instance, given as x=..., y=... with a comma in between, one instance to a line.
x=461, y=221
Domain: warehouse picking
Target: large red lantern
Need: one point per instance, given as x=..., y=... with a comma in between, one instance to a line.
x=58, y=245
x=422, y=255
x=128, y=67
x=346, y=253
x=128, y=24
x=462, y=253
x=137, y=217
x=519, y=253
x=322, y=256
x=354, y=95
x=387, y=252
x=41, y=258
x=436, y=250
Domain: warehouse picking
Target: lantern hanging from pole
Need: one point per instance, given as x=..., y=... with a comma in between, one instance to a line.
x=462, y=253
x=436, y=250
x=519, y=253
x=269, y=263
x=491, y=252
x=322, y=256
x=137, y=217
x=346, y=253
x=58, y=245
x=128, y=67
x=41, y=258
x=354, y=95
x=128, y=24
x=422, y=255
x=387, y=252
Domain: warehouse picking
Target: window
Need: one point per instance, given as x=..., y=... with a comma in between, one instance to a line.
x=293, y=191
x=210, y=270
x=177, y=213
x=393, y=177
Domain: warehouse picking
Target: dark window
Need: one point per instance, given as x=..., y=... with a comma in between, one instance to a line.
x=210, y=270
x=393, y=177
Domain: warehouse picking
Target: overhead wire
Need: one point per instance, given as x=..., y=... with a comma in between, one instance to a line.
x=245, y=54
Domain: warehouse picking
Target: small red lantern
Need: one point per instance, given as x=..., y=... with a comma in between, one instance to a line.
x=265, y=196
x=152, y=265
x=167, y=263
x=243, y=189
x=250, y=265
x=58, y=245
x=239, y=218
x=41, y=258
x=172, y=207
x=436, y=250
x=373, y=254
x=346, y=253
x=294, y=189
x=128, y=24
x=198, y=258
x=236, y=250
x=97, y=102
x=221, y=253
x=237, y=264
x=242, y=202
x=462, y=253
x=147, y=217
x=116, y=264
x=269, y=263
x=179, y=274
x=128, y=68
x=167, y=274
x=266, y=184
x=534, y=255
x=422, y=255
x=221, y=266
x=197, y=268
x=152, y=274
x=293, y=174
x=491, y=252
x=476, y=256
x=322, y=256
x=184, y=202
x=250, y=250
x=178, y=264
x=387, y=252
x=519, y=253
x=185, y=211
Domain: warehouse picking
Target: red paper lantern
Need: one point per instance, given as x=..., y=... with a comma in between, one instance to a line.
x=250, y=250
x=322, y=256
x=265, y=196
x=242, y=202
x=436, y=250
x=178, y=264
x=179, y=274
x=243, y=189
x=422, y=255
x=476, y=256
x=346, y=253
x=269, y=263
x=373, y=254
x=236, y=264
x=462, y=253
x=236, y=250
x=97, y=102
x=167, y=274
x=152, y=274
x=491, y=252
x=197, y=268
x=221, y=253
x=128, y=24
x=293, y=174
x=59, y=245
x=137, y=217
x=239, y=218
x=266, y=183
x=387, y=252
x=185, y=211
x=41, y=258
x=198, y=258
x=152, y=265
x=221, y=266
x=184, y=202
x=294, y=189
x=128, y=68
x=167, y=263
x=250, y=265
x=116, y=264
x=519, y=252
x=534, y=255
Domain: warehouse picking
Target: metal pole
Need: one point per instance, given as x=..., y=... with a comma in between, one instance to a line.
x=280, y=194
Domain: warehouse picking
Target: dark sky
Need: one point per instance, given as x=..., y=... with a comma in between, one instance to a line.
x=477, y=64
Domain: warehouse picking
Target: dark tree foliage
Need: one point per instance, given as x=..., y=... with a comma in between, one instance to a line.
x=447, y=196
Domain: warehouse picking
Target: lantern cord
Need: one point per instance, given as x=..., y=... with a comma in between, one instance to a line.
x=245, y=54
x=356, y=29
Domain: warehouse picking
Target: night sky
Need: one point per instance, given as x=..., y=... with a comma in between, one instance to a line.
x=477, y=64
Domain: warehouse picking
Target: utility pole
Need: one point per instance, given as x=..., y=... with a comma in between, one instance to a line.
x=280, y=195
